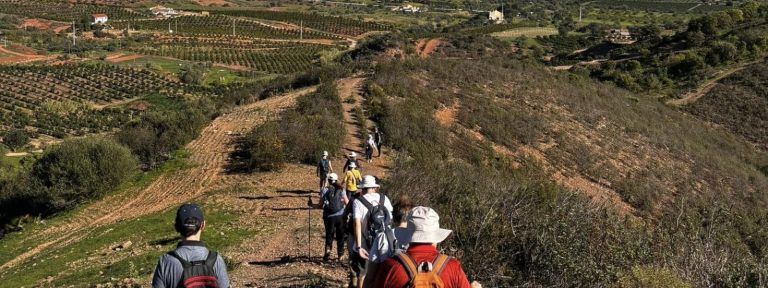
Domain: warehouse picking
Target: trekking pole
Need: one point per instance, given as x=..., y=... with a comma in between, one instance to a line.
x=309, y=227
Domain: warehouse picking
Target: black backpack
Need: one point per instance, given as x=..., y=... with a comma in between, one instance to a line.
x=324, y=166
x=332, y=200
x=379, y=220
x=198, y=274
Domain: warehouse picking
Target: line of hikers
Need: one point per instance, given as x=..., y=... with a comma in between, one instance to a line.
x=388, y=246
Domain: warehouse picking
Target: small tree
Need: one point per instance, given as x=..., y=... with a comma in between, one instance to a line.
x=16, y=139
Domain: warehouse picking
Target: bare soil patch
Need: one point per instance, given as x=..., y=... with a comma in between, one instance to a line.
x=215, y=3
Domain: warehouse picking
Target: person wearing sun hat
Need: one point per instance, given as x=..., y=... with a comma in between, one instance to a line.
x=372, y=219
x=423, y=233
x=351, y=158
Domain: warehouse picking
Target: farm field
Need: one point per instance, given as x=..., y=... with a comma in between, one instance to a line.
x=526, y=31
x=62, y=100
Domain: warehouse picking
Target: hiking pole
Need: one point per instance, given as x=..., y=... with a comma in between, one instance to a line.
x=309, y=227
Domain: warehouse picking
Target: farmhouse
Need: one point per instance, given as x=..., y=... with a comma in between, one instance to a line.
x=496, y=16
x=407, y=9
x=99, y=18
x=160, y=11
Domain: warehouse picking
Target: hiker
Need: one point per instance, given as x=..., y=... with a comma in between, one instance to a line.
x=334, y=200
x=403, y=206
x=352, y=158
x=323, y=168
x=191, y=264
x=374, y=237
x=378, y=137
x=421, y=265
x=370, y=145
x=351, y=178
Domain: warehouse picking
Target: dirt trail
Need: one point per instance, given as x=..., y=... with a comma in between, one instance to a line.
x=694, y=95
x=17, y=58
x=280, y=258
x=208, y=154
x=426, y=47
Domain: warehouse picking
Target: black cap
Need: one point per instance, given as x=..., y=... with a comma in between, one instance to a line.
x=189, y=217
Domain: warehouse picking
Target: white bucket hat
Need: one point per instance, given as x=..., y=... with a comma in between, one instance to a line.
x=369, y=182
x=333, y=177
x=353, y=154
x=325, y=153
x=423, y=227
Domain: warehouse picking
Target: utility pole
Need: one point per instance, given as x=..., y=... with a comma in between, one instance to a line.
x=301, y=30
x=580, y=6
x=169, y=27
x=233, y=27
x=74, y=33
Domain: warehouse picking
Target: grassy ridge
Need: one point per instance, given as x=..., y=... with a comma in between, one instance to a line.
x=693, y=189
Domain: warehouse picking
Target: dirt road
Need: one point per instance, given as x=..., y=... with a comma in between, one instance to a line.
x=694, y=95
x=208, y=155
x=280, y=258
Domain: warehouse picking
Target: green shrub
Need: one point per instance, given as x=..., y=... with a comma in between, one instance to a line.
x=82, y=169
x=651, y=277
x=260, y=150
x=16, y=139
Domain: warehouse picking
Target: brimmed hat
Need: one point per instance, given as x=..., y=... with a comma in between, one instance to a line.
x=369, y=182
x=423, y=227
x=189, y=217
x=325, y=153
x=353, y=154
x=333, y=177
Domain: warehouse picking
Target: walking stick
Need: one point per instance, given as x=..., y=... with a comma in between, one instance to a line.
x=309, y=227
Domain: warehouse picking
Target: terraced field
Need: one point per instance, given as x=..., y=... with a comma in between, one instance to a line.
x=63, y=99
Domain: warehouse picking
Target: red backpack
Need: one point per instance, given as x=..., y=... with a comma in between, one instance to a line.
x=425, y=274
x=198, y=274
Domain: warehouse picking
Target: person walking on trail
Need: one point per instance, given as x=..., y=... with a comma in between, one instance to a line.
x=372, y=217
x=324, y=167
x=191, y=264
x=403, y=206
x=352, y=158
x=334, y=200
x=378, y=137
x=370, y=146
x=421, y=265
x=351, y=178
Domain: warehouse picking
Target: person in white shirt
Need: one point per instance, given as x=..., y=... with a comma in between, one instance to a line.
x=360, y=215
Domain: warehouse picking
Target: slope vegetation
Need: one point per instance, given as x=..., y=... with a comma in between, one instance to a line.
x=556, y=180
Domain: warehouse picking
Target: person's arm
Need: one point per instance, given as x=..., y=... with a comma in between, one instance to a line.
x=459, y=278
x=160, y=275
x=330, y=166
x=359, y=239
x=221, y=272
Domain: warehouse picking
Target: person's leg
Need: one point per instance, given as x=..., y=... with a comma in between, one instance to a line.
x=378, y=147
x=328, y=222
x=339, y=236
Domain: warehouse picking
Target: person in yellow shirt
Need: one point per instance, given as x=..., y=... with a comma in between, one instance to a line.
x=351, y=178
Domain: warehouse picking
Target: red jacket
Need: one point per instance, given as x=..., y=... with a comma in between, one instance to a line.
x=392, y=274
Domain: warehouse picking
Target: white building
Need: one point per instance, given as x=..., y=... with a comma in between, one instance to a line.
x=496, y=16
x=99, y=18
x=407, y=9
x=160, y=11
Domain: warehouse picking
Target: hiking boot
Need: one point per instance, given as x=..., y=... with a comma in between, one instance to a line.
x=327, y=255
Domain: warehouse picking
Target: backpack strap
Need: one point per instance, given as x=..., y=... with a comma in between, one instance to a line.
x=407, y=263
x=382, y=198
x=440, y=262
x=365, y=202
x=211, y=260
x=184, y=263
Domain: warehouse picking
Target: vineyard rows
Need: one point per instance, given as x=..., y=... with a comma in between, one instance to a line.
x=661, y=6
x=336, y=25
x=230, y=42
x=64, y=11
x=27, y=94
x=219, y=25
x=281, y=61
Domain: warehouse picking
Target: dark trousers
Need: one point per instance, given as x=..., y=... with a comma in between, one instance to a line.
x=334, y=229
x=378, y=148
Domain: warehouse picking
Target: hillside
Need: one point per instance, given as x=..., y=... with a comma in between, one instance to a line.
x=659, y=175
x=738, y=102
